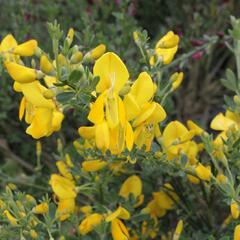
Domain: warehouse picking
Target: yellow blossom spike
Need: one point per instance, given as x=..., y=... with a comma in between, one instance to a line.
x=143, y=88
x=89, y=223
x=45, y=65
x=112, y=72
x=26, y=49
x=234, y=210
x=168, y=41
x=93, y=165
x=102, y=136
x=119, y=213
x=98, y=51
x=119, y=230
x=132, y=185
x=204, y=173
x=176, y=80
x=21, y=73
x=222, y=123
x=236, y=235
x=41, y=208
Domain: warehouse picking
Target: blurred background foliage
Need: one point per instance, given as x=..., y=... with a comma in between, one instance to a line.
x=112, y=23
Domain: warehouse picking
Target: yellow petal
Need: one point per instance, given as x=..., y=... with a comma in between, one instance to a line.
x=21, y=73
x=33, y=93
x=87, y=132
x=45, y=65
x=65, y=208
x=158, y=115
x=203, y=172
x=119, y=230
x=102, y=136
x=10, y=217
x=143, y=88
x=131, y=106
x=168, y=41
x=172, y=132
x=17, y=86
x=96, y=114
x=62, y=187
x=237, y=232
x=41, y=208
x=57, y=120
x=129, y=136
x=132, y=185
x=176, y=80
x=222, y=123
x=89, y=223
x=26, y=49
x=119, y=213
x=8, y=43
x=112, y=72
x=93, y=165
x=41, y=123
x=98, y=51
x=234, y=210
x=193, y=126
x=63, y=169
x=111, y=108
x=167, y=54
x=163, y=200
x=146, y=112
x=49, y=80
x=22, y=108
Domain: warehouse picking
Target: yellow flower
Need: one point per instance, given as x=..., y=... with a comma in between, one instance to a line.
x=41, y=208
x=65, y=208
x=119, y=230
x=7, y=45
x=204, y=173
x=76, y=57
x=93, y=165
x=193, y=126
x=221, y=178
x=121, y=213
x=21, y=73
x=168, y=41
x=87, y=209
x=112, y=72
x=132, y=185
x=26, y=49
x=10, y=217
x=236, y=235
x=63, y=187
x=166, y=47
x=90, y=222
x=234, y=210
x=176, y=80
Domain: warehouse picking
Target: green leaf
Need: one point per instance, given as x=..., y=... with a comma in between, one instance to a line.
x=65, y=97
x=75, y=76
